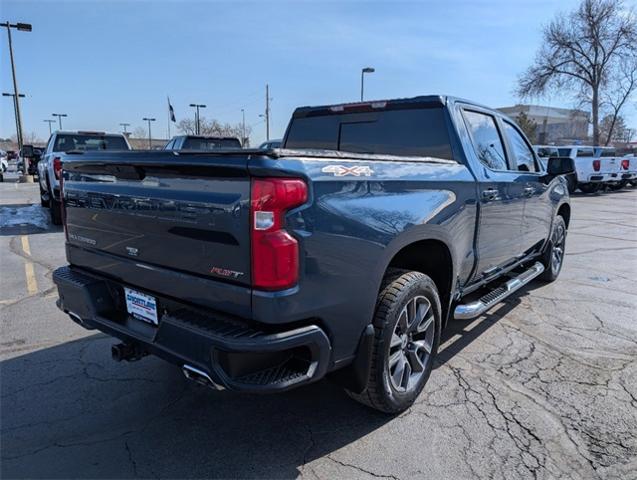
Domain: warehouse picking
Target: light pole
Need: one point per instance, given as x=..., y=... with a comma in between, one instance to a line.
x=23, y=27
x=197, y=106
x=363, y=72
x=49, y=121
x=124, y=125
x=59, y=115
x=146, y=119
x=243, y=127
x=15, y=111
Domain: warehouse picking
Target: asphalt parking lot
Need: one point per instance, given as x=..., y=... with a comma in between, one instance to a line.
x=544, y=386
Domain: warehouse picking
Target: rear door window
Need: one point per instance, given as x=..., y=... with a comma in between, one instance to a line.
x=486, y=139
x=523, y=154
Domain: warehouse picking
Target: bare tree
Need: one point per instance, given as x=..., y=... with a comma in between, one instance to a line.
x=213, y=128
x=621, y=86
x=139, y=132
x=528, y=126
x=582, y=51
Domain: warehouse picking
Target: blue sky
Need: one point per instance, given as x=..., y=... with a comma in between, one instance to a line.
x=106, y=62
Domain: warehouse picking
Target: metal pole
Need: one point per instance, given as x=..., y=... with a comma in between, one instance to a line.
x=16, y=93
x=243, y=122
x=50, y=122
x=267, y=112
x=15, y=113
x=198, y=127
x=362, y=83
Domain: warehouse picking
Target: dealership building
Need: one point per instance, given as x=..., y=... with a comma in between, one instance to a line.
x=554, y=125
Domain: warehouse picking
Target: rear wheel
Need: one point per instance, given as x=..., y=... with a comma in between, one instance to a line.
x=407, y=327
x=553, y=257
x=44, y=200
x=588, y=187
x=618, y=186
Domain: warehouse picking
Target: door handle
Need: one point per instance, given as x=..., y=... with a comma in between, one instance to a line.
x=490, y=194
x=529, y=191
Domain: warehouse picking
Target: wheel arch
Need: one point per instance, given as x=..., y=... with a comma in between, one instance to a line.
x=434, y=258
x=565, y=211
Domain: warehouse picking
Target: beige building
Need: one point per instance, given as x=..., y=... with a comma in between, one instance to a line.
x=554, y=125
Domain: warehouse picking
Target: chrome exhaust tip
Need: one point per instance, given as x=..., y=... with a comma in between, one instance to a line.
x=199, y=376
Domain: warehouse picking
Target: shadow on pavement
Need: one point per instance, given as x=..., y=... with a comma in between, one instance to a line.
x=70, y=412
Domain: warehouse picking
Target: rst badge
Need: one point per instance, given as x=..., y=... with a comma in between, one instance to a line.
x=342, y=171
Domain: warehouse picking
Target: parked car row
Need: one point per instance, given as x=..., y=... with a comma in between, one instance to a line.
x=595, y=167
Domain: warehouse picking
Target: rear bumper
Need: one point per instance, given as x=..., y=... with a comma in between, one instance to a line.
x=232, y=353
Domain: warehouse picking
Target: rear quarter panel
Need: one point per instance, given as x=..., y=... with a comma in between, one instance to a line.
x=354, y=224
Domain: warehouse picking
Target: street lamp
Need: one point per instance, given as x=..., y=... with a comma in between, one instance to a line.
x=49, y=121
x=146, y=119
x=59, y=115
x=124, y=125
x=23, y=27
x=197, y=106
x=363, y=72
x=15, y=112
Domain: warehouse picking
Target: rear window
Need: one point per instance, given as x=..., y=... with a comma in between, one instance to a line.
x=210, y=143
x=544, y=152
x=565, y=152
x=419, y=132
x=585, y=152
x=68, y=142
x=608, y=153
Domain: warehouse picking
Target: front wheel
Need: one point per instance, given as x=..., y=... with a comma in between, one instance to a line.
x=407, y=327
x=553, y=257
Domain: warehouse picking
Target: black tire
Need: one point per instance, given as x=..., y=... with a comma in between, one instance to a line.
x=55, y=209
x=588, y=187
x=402, y=289
x=555, y=249
x=618, y=186
x=44, y=201
x=633, y=183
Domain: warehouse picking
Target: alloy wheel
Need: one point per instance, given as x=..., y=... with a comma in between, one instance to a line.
x=411, y=344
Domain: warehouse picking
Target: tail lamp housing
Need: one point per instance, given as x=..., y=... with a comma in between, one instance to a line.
x=57, y=167
x=625, y=164
x=597, y=165
x=275, y=253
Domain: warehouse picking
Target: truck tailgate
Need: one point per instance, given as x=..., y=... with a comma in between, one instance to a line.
x=185, y=213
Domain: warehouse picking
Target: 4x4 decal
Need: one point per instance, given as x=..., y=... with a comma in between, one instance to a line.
x=341, y=170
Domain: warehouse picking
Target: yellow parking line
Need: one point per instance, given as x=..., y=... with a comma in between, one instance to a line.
x=29, y=271
x=25, y=245
x=32, y=284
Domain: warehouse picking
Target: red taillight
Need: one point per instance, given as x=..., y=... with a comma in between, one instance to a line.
x=597, y=165
x=57, y=167
x=275, y=253
x=625, y=164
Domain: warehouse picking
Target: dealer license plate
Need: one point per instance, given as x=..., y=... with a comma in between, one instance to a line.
x=141, y=306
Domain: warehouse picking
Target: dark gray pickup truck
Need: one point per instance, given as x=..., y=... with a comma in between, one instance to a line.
x=344, y=253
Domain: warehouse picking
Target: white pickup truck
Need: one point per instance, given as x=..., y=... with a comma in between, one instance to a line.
x=628, y=169
x=610, y=164
x=590, y=176
x=50, y=166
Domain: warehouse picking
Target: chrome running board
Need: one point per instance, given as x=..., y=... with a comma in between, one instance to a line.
x=477, y=308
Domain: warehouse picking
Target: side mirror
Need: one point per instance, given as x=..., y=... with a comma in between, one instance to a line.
x=560, y=166
x=27, y=151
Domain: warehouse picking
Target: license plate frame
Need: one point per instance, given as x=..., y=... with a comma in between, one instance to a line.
x=141, y=306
